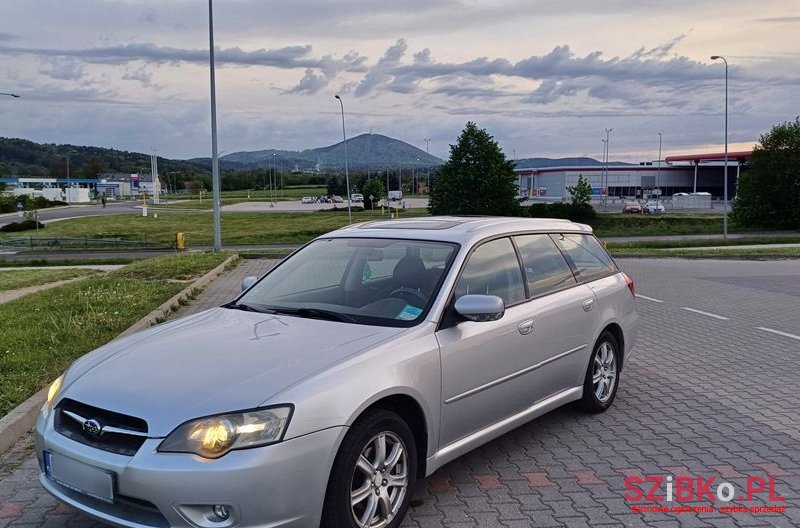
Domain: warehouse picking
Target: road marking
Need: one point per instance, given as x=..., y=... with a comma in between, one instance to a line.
x=778, y=332
x=715, y=316
x=640, y=296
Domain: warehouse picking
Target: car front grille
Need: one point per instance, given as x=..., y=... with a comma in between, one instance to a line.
x=100, y=428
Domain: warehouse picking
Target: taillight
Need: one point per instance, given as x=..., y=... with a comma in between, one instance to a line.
x=629, y=282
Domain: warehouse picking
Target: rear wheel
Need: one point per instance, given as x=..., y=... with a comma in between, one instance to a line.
x=602, y=375
x=373, y=475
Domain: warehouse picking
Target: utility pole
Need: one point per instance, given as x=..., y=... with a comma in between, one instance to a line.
x=427, y=167
x=608, y=150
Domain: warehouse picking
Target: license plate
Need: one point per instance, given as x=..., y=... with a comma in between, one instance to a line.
x=80, y=477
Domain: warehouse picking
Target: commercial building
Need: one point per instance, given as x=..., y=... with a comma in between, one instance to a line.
x=698, y=173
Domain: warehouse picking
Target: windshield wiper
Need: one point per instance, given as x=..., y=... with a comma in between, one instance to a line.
x=244, y=307
x=315, y=313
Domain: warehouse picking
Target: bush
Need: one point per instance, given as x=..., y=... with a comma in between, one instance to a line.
x=583, y=213
x=25, y=225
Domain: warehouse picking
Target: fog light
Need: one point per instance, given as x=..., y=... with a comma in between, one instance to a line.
x=222, y=512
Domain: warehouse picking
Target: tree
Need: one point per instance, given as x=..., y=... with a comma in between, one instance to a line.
x=768, y=194
x=374, y=188
x=476, y=180
x=581, y=192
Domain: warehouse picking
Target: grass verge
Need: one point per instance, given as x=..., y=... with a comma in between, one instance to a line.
x=42, y=333
x=237, y=228
x=666, y=244
x=13, y=280
x=744, y=253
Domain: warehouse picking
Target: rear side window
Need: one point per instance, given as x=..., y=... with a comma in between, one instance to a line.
x=493, y=269
x=589, y=256
x=545, y=267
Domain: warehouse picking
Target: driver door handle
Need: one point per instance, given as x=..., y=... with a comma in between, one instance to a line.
x=526, y=327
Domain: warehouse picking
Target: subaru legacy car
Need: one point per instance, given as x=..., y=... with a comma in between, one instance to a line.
x=363, y=362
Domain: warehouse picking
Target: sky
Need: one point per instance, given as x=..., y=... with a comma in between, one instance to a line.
x=544, y=78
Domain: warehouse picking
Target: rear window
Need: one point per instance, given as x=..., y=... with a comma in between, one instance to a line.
x=545, y=268
x=587, y=254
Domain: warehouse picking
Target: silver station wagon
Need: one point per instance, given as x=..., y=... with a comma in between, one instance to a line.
x=365, y=361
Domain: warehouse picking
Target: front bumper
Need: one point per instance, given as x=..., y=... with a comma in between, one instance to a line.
x=281, y=485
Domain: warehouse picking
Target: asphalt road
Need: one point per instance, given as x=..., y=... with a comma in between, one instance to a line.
x=711, y=393
x=76, y=211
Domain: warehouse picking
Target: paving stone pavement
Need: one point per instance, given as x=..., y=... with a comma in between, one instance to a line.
x=707, y=395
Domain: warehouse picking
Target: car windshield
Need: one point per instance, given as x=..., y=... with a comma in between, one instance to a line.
x=376, y=281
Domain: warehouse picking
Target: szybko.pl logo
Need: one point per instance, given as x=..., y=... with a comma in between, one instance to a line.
x=668, y=489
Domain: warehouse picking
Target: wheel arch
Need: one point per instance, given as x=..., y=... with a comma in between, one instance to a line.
x=616, y=330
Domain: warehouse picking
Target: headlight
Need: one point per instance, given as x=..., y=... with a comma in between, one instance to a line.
x=213, y=436
x=54, y=389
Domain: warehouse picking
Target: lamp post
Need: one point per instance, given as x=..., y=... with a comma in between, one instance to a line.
x=346, y=170
x=214, y=153
x=608, y=144
x=427, y=166
x=658, y=170
x=725, y=171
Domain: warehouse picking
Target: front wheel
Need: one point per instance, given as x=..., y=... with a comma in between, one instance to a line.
x=373, y=475
x=602, y=375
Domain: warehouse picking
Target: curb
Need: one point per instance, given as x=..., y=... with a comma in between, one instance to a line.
x=22, y=418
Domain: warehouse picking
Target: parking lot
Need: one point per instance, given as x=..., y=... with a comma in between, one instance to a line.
x=710, y=397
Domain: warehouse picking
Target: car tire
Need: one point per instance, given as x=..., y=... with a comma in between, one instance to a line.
x=602, y=375
x=361, y=478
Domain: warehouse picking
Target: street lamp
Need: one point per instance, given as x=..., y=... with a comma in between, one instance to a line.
x=346, y=172
x=658, y=171
x=15, y=96
x=427, y=167
x=608, y=143
x=214, y=154
x=725, y=171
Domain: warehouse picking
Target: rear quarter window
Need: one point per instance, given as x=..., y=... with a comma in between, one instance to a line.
x=589, y=257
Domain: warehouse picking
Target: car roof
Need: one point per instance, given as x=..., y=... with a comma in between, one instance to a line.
x=458, y=229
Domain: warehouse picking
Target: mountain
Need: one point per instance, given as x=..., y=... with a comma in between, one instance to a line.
x=367, y=151
x=538, y=163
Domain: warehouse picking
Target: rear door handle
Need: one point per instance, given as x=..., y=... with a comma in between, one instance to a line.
x=588, y=304
x=526, y=327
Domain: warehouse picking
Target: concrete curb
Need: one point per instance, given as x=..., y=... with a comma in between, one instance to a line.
x=22, y=418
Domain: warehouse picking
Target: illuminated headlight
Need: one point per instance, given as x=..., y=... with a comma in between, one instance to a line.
x=213, y=436
x=54, y=389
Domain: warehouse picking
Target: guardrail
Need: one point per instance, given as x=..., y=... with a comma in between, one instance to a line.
x=81, y=243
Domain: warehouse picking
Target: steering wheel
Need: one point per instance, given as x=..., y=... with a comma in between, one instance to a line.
x=407, y=294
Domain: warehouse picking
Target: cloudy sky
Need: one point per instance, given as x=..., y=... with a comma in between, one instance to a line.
x=543, y=77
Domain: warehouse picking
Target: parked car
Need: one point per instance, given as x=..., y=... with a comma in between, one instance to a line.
x=654, y=208
x=366, y=360
x=632, y=207
x=307, y=200
x=338, y=199
x=357, y=198
x=395, y=196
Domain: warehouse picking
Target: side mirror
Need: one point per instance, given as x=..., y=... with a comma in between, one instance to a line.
x=247, y=282
x=480, y=308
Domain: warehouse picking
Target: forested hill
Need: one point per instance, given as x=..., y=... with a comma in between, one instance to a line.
x=20, y=157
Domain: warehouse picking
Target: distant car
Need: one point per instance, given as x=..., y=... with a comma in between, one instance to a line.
x=633, y=207
x=654, y=208
x=307, y=200
x=357, y=198
x=395, y=196
x=681, y=194
x=338, y=199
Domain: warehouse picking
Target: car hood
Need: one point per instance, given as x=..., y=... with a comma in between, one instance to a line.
x=218, y=361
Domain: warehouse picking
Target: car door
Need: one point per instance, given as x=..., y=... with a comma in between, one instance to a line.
x=494, y=369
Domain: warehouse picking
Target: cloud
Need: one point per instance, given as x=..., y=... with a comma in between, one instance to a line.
x=311, y=83
x=286, y=58
x=384, y=72
x=6, y=37
x=780, y=20
x=63, y=69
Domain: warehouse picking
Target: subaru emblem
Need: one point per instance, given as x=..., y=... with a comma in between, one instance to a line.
x=93, y=427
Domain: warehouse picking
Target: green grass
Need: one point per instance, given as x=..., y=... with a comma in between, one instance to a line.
x=45, y=263
x=666, y=244
x=42, y=333
x=15, y=279
x=237, y=228
x=749, y=253
x=619, y=225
